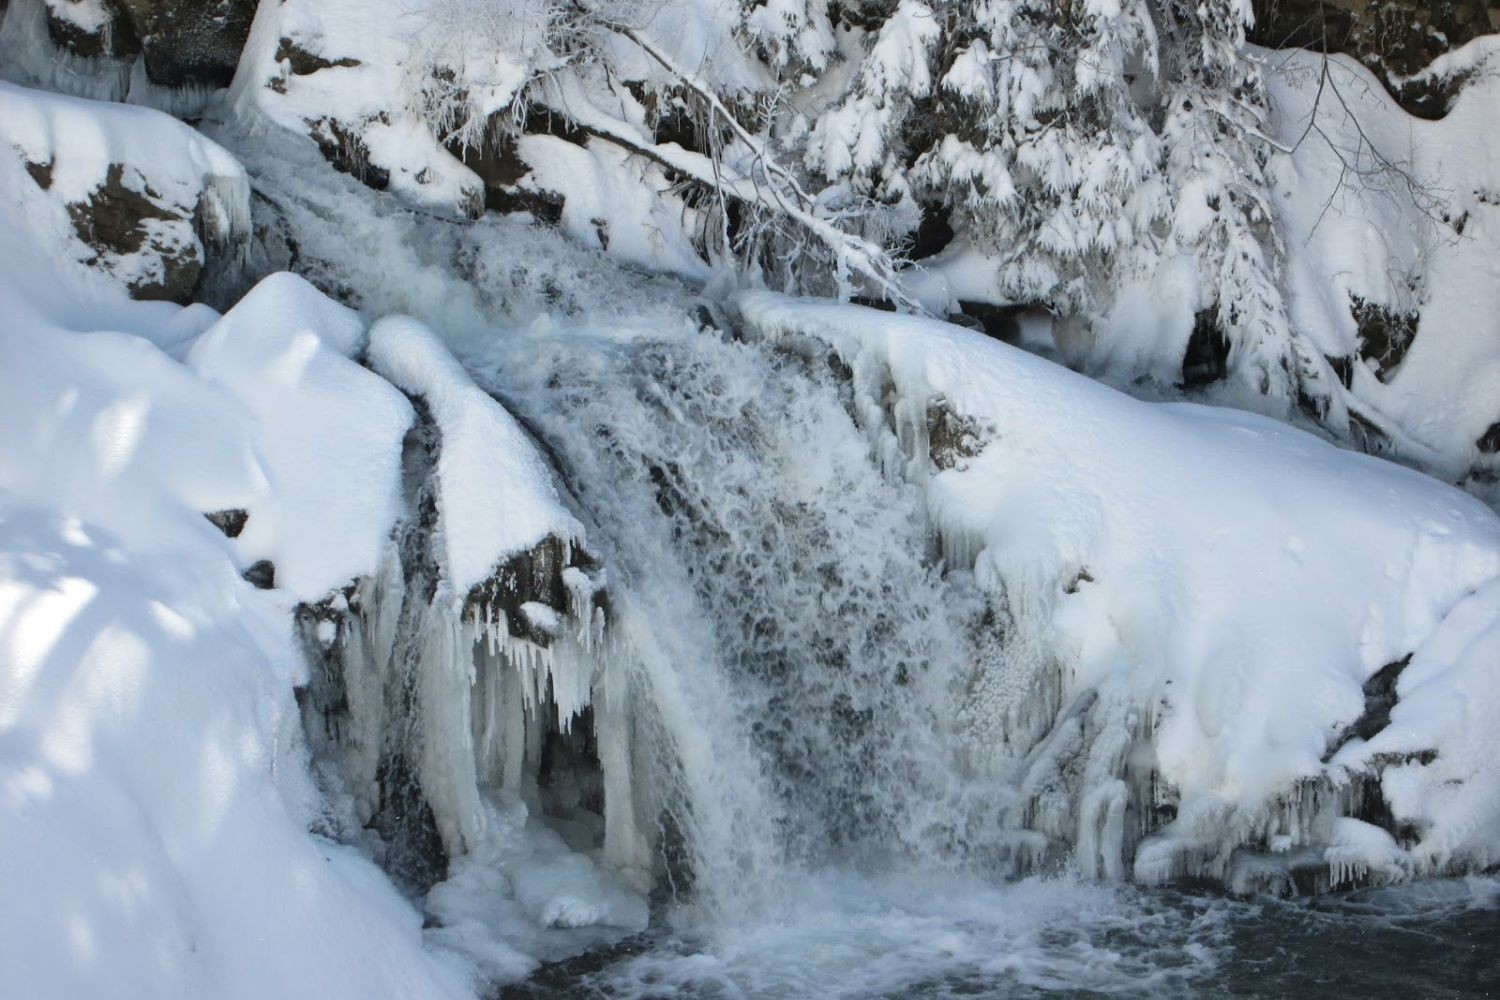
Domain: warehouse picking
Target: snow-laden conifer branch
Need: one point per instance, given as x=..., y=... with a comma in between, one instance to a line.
x=768, y=184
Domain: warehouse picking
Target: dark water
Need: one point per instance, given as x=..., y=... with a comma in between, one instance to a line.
x=847, y=937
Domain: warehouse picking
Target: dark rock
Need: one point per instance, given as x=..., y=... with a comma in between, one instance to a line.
x=1396, y=39
x=1206, y=359
x=1000, y=322
x=113, y=222
x=261, y=574
x=1385, y=335
x=1380, y=698
x=953, y=439
x=190, y=42
x=933, y=234
x=1489, y=441
x=41, y=173
x=414, y=853
x=1071, y=587
x=343, y=147
x=1422, y=757
x=1344, y=368
x=560, y=980
x=115, y=39
x=305, y=63
x=230, y=521
x=533, y=576
x=269, y=247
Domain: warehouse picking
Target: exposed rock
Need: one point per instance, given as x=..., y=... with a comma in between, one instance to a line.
x=190, y=42
x=41, y=173
x=1081, y=577
x=262, y=574
x=344, y=148
x=953, y=439
x=1380, y=698
x=498, y=162
x=1343, y=367
x=1000, y=322
x=305, y=63
x=1489, y=441
x=230, y=521
x=1385, y=335
x=117, y=221
x=183, y=42
x=1206, y=359
x=538, y=576
x=71, y=26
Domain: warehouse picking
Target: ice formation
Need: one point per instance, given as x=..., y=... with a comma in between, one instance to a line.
x=557, y=586
x=1212, y=625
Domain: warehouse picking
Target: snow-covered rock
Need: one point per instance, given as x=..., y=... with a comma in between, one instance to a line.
x=1395, y=275
x=153, y=779
x=131, y=191
x=495, y=496
x=327, y=431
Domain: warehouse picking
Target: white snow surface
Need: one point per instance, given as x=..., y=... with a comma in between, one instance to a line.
x=495, y=492
x=328, y=433
x=1391, y=238
x=1243, y=577
x=154, y=796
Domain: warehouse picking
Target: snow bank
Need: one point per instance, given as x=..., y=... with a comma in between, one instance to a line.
x=1228, y=581
x=155, y=797
x=495, y=494
x=152, y=774
x=327, y=431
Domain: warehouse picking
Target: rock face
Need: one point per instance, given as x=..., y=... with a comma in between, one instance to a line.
x=190, y=41
x=1396, y=39
x=183, y=42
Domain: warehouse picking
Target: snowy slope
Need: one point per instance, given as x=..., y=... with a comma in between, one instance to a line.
x=1404, y=214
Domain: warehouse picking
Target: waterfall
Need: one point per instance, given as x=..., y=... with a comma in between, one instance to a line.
x=770, y=653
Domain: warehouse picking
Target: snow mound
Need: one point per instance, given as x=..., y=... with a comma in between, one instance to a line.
x=1229, y=582
x=328, y=433
x=495, y=492
x=155, y=795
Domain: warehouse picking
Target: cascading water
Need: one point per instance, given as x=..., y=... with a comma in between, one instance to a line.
x=802, y=708
x=735, y=494
x=796, y=654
